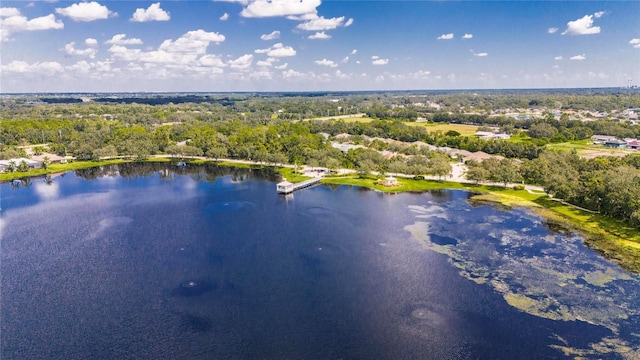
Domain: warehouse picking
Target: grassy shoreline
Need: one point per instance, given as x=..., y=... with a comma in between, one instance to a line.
x=614, y=239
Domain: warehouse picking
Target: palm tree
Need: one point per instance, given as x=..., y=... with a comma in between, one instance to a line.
x=45, y=162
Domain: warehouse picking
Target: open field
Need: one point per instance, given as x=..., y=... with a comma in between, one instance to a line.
x=586, y=149
x=464, y=130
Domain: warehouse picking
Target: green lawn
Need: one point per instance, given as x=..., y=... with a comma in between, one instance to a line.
x=57, y=168
x=464, y=130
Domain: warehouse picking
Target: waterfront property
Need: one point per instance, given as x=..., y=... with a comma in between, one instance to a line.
x=6, y=164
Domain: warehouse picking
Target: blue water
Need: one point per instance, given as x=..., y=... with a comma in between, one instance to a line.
x=161, y=263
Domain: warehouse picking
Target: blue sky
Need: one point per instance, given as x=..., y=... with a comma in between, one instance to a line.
x=316, y=45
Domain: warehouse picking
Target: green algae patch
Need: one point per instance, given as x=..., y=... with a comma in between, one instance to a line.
x=599, y=278
x=551, y=276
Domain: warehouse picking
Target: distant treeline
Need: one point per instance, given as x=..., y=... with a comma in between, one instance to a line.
x=61, y=100
x=165, y=100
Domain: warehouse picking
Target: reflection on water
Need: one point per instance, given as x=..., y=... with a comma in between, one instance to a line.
x=156, y=261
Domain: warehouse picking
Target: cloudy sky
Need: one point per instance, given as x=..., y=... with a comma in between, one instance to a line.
x=316, y=45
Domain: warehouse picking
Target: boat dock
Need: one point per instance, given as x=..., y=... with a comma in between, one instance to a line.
x=286, y=187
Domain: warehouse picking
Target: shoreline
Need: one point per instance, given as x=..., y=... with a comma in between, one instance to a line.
x=612, y=238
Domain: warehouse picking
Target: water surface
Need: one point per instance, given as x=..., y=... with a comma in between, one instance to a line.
x=152, y=261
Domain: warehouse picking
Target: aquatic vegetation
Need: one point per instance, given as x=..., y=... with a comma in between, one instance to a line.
x=549, y=275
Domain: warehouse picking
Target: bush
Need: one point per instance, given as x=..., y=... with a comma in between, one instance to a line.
x=418, y=177
x=519, y=187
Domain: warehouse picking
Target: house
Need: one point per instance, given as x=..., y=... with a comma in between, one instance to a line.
x=345, y=147
x=599, y=139
x=634, y=145
x=488, y=135
x=53, y=158
x=615, y=143
x=5, y=164
x=478, y=156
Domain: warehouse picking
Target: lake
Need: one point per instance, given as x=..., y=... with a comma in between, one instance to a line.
x=158, y=262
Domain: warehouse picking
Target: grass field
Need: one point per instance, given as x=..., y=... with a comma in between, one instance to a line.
x=587, y=149
x=464, y=130
x=359, y=119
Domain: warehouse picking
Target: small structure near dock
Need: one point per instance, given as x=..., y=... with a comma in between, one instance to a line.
x=286, y=187
x=389, y=181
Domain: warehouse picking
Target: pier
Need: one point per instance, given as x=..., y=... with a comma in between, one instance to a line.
x=286, y=187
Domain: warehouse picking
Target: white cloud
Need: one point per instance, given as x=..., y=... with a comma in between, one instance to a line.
x=552, y=30
x=482, y=54
x=292, y=74
x=211, y=60
x=354, y=51
x=420, y=74
x=42, y=68
x=90, y=42
x=374, y=57
x=379, y=61
x=277, y=50
x=466, y=36
x=281, y=67
x=558, y=58
x=241, y=63
x=325, y=62
x=264, y=63
x=195, y=41
x=319, y=35
x=272, y=8
x=224, y=17
x=71, y=50
x=119, y=39
x=341, y=75
x=271, y=36
x=322, y=23
x=152, y=13
x=11, y=21
x=448, y=36
x=94, y=70
x=8, y=12
x=584, y=25
x=578, y=57
x=86, y=11
x=349, y=22
x=635, y=43
x=345, y=60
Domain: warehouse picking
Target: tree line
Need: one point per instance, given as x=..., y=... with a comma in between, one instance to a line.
x=609, y=185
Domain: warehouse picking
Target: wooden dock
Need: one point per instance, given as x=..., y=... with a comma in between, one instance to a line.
x=286, y=187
